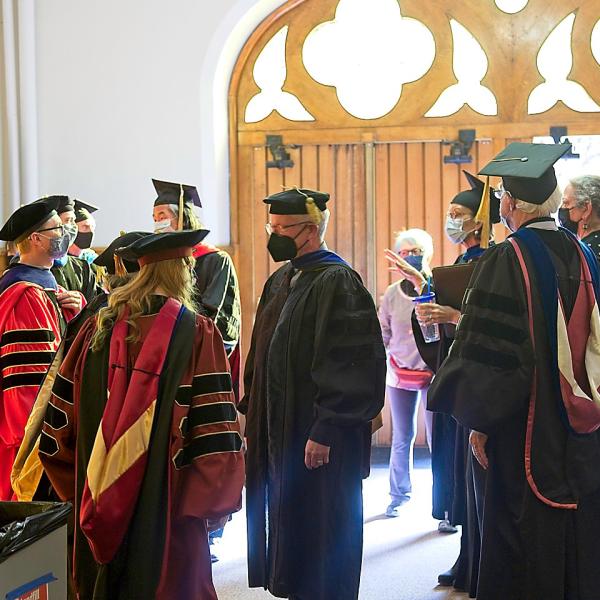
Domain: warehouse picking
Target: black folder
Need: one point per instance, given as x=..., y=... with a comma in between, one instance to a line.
x=451, y=283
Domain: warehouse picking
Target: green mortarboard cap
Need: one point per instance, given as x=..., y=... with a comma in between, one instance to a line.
x=29, y=218
x=527, y=170
x=83, y=210
x=107, y=258
x=293, y=201
x=168, y=193
x=472, y=198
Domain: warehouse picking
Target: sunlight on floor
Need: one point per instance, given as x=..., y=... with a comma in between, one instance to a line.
x=402, y=556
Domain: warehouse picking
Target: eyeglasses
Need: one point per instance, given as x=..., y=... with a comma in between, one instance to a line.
x=269, y=228
x=500, y=192
x=410, y=252
x=61, y=227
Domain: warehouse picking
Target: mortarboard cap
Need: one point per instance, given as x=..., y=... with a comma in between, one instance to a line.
x=296, y=201
x=472, y=198
x=83, y=210
x=107, y=258
x=527, y=170
x=169, y=193
x=157, y=247
x=29, y=218
x=64, y=203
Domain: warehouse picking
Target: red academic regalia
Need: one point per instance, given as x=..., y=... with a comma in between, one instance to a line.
x=30, y=326
x=194, y=467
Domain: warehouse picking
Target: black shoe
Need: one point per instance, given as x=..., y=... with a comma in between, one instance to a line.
x=447, y=578
x=214, y=558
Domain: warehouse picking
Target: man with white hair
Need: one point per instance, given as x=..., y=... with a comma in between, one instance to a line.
x=314, y=380
x=522, y=374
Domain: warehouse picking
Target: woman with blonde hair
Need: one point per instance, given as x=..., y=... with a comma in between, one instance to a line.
x=142, y=436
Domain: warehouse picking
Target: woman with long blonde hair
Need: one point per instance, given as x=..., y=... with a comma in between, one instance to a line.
x=149, y=447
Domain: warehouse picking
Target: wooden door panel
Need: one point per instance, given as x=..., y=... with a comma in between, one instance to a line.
x=411, y=187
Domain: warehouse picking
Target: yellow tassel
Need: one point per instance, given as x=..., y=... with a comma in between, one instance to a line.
x=180, y=219
x=483, y=214
x=120, y=269
x=314, y=214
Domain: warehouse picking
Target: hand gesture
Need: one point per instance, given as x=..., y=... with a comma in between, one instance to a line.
x=399, y=265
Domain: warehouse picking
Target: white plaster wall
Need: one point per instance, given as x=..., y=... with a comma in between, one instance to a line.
x=133, y=89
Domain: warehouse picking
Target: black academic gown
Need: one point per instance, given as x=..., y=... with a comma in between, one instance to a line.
x=218, y=291
x=316, y=369
x=458, y=481
x=530, y=551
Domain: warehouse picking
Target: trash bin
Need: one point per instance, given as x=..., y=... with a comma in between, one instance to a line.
x=33, y=550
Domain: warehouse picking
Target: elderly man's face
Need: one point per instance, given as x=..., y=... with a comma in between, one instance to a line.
x=289, y=225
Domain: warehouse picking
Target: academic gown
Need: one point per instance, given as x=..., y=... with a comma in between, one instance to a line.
x=194, y=470
x=77, y=275
x=458, y=482
x=530, y=550
x=219, y=294
x=316, y=370
x=31, y=326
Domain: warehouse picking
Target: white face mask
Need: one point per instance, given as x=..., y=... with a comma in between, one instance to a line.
x=454, y=229
x=163, y=226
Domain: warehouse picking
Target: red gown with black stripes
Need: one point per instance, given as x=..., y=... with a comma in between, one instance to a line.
x=30, y=329
x=194, y=469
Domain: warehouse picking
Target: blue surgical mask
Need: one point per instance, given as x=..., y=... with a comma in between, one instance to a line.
x=415, y=261
x=454, y=229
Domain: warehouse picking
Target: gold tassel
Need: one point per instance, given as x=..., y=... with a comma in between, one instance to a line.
x=483, y=214
x=120, y=269
x=315, y=215
x=180, y=219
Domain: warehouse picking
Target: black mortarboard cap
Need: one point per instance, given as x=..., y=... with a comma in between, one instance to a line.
x=157, y=247
x=168, y=193
x=64, y=203
x=472, y=198
x=527, y=170
x=294, y=201
x=83, y=210
x=107, y=258
x=29, y=218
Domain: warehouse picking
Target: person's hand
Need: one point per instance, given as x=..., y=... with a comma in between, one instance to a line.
x=477, y=441
x=315, y=455
x=399, y=265
x=69, y=300
x=430, y=313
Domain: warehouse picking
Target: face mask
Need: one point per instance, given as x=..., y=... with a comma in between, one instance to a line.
x=84, y=239
x=282, y=247
x=505, y=222
x=163, y=226
x=58, y=246
x=454, y=230
x=564, y=218
x=71, y=231
x=88, y=255
x=415, y=261
x=60, y=262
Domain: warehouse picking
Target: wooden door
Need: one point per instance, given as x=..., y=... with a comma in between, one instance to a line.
x=338, y=169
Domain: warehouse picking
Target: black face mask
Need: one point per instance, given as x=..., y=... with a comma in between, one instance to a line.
x=564, y=218
x=282, y=247
x=84, y=239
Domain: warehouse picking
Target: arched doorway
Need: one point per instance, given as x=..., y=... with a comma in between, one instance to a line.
x=366, y=98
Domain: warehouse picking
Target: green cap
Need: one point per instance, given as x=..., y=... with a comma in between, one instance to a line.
x=527, y=170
